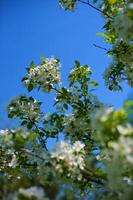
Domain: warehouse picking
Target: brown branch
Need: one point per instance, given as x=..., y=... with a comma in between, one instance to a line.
x=97, y=9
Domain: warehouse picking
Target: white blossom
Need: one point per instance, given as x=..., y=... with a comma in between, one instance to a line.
x=123, y=26
x=124, y=147
x=23, y=106
x=3, y=132
x=13, y=162
x=125, y=130
x=106, y=114
x=69, y=156
x=34, y=191
x=78, y=146
x=44, y=75
x=6, y=137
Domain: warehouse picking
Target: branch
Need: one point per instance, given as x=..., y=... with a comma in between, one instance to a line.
x=41, y=138
x=91, y=176
x=89, y=4
x=33, y=154
x=103, y=48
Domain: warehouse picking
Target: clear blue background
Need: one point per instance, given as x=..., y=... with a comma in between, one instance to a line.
x=30, y=28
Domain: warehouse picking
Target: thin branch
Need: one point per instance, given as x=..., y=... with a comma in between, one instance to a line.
x=91, y=177
x=58, y=91
x=103, y=48
x=89, y=4
x=33, y=154
x=42, y=141
x=41, y=138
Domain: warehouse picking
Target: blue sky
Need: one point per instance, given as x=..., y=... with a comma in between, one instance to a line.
x=32, y=28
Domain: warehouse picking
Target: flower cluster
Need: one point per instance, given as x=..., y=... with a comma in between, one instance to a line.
x=110, y=124
x=11, y=142
x=118, y=33
x=43, y=76
x=125, y=130
x=25, y=108
x=5, y=138
x=79, y=73
x=8, y=156
x=121, y=67
x=124, y=147
x=13, y=163
x=32, y=192
x=69, y=157
x=123, y=23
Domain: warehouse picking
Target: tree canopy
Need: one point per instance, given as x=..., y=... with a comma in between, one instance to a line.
x=95, y=158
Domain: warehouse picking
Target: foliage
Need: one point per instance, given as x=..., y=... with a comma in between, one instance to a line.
x=95, y=159
x=118, y=15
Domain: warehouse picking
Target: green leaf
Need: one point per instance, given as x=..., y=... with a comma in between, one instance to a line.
x=129, y=103
x=43, y=58
x=32, y=65
x=103, y=34
x=24, y=79
x=65, y=106
x=24, y=123
x=94, y=83
x=77, y=63
x=30, y=87
x=29, y=125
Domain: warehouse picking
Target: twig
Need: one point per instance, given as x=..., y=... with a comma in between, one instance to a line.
x=41, y=138
x=88, y=175
x=103, y=48
x=33, y=154
x=89, y=4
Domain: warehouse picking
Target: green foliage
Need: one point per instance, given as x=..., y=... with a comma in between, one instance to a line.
x=118, y=33
x=48, y=69
x=96, y=156
x=68, y=4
